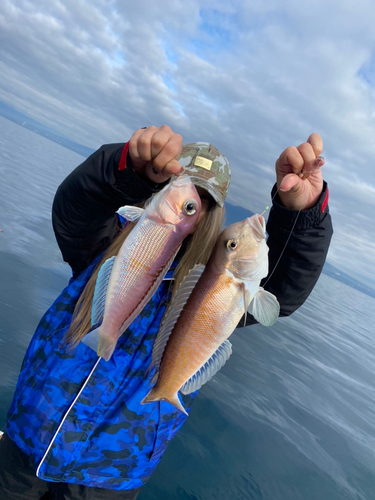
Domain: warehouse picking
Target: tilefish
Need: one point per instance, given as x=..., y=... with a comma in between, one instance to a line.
x=192, y=343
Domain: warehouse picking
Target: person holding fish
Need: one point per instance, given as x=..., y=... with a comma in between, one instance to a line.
x=157, y=288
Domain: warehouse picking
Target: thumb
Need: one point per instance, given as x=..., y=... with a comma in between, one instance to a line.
x=290, y=182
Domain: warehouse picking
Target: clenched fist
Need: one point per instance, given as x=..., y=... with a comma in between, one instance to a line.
x=154, y=152
x=299, y=176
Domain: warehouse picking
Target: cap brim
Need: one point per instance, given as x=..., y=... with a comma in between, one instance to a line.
x=216, y=195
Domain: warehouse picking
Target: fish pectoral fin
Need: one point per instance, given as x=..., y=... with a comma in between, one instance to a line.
x=264, y=307
x=132, y=214
x=209, y=369
x=100, y=292
x=170, y=319
x=92, y=339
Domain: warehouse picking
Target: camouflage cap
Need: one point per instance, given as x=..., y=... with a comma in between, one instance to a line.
x=207, y=168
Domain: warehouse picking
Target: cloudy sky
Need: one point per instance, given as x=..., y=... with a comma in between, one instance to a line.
x=251, y=76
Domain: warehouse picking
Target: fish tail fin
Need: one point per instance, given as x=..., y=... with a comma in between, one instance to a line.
x=155, y=395
x=106, y=347
x=92, y=339
x=102, y=346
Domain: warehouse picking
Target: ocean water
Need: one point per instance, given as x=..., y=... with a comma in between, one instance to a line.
x=289, y=417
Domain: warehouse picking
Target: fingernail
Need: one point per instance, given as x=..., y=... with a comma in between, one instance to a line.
x=319, y=162
x=180, y=172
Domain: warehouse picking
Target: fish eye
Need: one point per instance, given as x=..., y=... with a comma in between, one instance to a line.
x=231, y=244
x=189, y=207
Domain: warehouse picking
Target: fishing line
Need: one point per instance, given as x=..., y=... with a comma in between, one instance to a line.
x=283, y=250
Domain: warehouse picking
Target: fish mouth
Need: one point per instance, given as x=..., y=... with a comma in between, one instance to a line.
x=182, y=181
x=258, y=225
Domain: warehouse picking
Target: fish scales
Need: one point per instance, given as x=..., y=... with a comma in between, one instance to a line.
x=214, y=311
x=141, y=261
x=131, y=273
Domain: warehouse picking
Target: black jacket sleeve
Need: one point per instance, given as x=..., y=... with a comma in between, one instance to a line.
x=83, y=212
x=298, y=244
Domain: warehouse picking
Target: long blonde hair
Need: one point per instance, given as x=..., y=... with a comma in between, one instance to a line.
x=198, y=251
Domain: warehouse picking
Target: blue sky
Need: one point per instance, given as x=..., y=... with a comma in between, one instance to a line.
x=251, y=77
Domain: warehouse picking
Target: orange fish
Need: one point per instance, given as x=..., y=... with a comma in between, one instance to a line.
x=192, y=344
x=126, y=282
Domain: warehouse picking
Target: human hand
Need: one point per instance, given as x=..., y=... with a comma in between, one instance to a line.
x=154, y=152
x=299, y=176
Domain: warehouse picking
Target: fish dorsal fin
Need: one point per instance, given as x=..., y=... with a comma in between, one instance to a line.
x=209, y=369
x=170, y=319
x=98, y=301
x=264, y=307
x=132, y=214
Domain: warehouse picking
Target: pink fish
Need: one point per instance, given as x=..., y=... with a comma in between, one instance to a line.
x=126, y=282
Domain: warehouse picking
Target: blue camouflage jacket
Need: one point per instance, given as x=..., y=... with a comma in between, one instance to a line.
x=80, y=418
